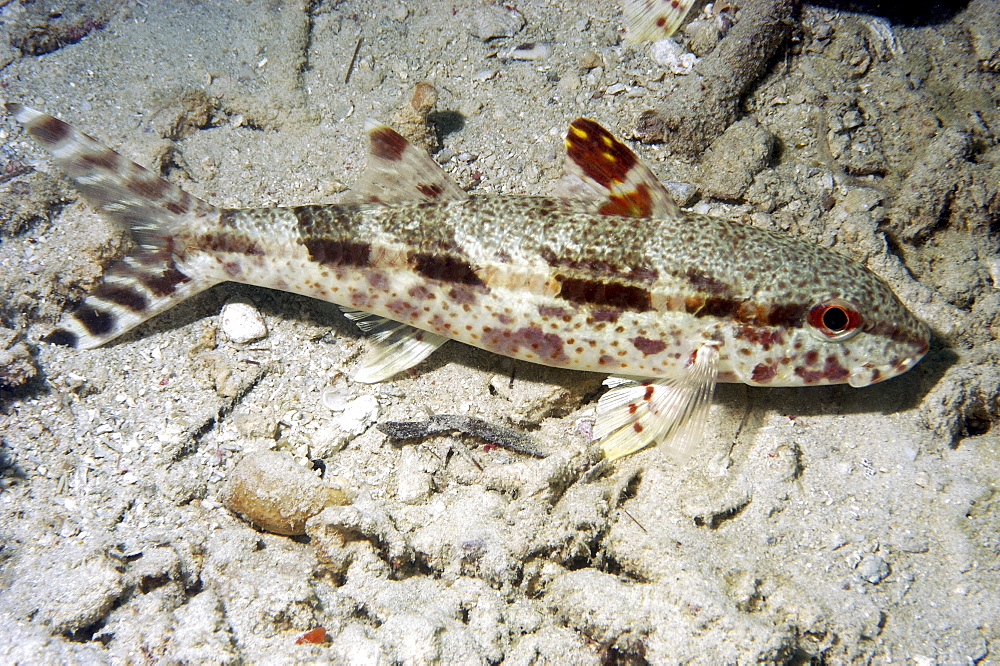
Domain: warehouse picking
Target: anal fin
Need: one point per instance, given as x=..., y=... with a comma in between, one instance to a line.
x=633, y=415
x=397, y=347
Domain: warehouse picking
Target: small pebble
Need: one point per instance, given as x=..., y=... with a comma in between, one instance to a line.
x=242, y=322
x=590, y=60
x=702, y=36
x=852, y=119
x=873, y=569
x=414, y=483
x=271, y=491
x=616, y=88
x=682, y=193
x=569, y=81
x=492, y=21
x=823, y=31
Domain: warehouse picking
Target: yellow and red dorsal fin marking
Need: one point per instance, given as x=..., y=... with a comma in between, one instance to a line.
x=399, y=172
x=600, y=167
x=650, y=20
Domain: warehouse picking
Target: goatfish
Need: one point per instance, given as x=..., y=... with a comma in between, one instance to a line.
x=607, y=275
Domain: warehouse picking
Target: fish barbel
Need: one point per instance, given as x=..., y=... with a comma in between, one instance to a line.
x=608, y=275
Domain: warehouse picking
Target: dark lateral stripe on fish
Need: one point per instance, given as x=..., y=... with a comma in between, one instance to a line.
x=789, y=315
x=327, y=236
x=607, y=294
x=228, y=242
x=330, y=252
x=446, y=268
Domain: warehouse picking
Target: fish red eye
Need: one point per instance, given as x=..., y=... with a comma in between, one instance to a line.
x=835, y=319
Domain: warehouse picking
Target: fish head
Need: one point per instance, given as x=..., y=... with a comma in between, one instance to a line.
x=858, y=335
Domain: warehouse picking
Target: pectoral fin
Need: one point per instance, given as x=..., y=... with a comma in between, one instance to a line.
x=633, y=415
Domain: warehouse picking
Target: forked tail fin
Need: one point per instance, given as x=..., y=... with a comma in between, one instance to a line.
x=146, y=282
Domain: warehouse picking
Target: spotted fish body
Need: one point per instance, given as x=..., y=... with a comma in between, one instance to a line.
x=607, y=276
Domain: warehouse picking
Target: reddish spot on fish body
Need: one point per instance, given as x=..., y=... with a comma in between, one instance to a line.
x=462, y=295
x=549, y=311
x=834, y=371
x=378, y=280
x=647, y=346
x=610, y=316
x=548, y=346
x=761, y=336
x=419, y=292
x=809, y=376
x=762, y=374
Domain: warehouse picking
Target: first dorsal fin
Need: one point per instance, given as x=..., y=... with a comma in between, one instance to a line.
x=602, y=169
x=399, y=172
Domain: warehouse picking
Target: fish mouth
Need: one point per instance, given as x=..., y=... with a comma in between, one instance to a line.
x=864, y=375
x=869, y=373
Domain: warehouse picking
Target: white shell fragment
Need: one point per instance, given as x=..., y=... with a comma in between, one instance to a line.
x=241, y=322
x=270, y=490
x=668, y=54
x=358, y=414
x=529, y=51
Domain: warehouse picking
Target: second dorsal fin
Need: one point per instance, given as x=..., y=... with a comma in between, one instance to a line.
x=399, y=172
x=602, y=169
